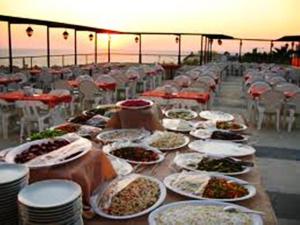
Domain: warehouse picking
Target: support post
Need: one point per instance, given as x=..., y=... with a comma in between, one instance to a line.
x=108, y=48
x=205, y=50
x=140, y=48
x=179, y=50
x=10, y=48
x=96, y=50
x=240, y=50
x=201, y=51
x=75, y=47
x=211, y=50
x=48, y=47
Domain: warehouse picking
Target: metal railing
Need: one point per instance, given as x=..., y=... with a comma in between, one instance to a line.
x=87, y=58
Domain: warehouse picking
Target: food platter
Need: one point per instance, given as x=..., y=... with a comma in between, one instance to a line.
x=70, y=147
x=216, y=116
x=198, y=186
x=95, y=121
x=114, y=190
x=182, y=211
x=184, y=114
x=177, y=125
x=166, y=141
x=191, y=161
x=135, y=104
x=134, y=153
x=231, y=126
x=216, y=134
x=104, y=110
x=122, y=135
x=82, y=130
x=221, y=148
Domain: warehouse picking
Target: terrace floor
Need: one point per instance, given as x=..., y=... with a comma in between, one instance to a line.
x=278, y=154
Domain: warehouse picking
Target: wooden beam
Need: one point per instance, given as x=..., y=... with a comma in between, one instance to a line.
x=75, y=47
x=96, y=48
x=48, y=46
x=201, y=51
x=140, y=48
x=205, y=50
x=108, y=48
x=179, y=50
x=240, y=50
x=10, y=48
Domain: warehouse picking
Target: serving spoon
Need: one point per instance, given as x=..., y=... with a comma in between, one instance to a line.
x=234, y=209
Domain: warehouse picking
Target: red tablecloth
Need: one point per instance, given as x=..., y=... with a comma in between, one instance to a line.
x=35, y=72
x=202, y=98
x=6, y=81
x=103, y=85
x=256, y=92
x=50, y=100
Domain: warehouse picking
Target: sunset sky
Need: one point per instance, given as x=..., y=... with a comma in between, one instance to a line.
x=239, y=18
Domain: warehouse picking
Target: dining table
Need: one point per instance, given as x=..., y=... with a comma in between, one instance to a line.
x=48, y=99
x=201, y=98
x=256, y=92
x=106, y=86
x=260, y=201
x=7, y=80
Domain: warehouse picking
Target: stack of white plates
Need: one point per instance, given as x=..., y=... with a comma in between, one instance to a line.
x=13, y=178
x=51, y=202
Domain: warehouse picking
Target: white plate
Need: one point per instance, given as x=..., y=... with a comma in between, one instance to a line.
x=182, y=161
x=49, y=193
x=150, y=139
x=192, y=113
x=216, y=116
x=140, y=134
x=119, y=104
x=56, y=157
x=202, y=133
x=206, y=134
x=12, y=172
x=174, y=125
x=121, y=166
x=118, y=145
x=251, y=189
x=221, y=148
x=163, y=193
x=256, y=220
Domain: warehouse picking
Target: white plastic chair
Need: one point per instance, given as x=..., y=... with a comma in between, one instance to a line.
x=276, y=80
x=33, y=112
x=287, y=87
x=6, y=112
x=45, y=80
x=270, y=102
x=293, y=110
x=90, y=93
x=84, y=78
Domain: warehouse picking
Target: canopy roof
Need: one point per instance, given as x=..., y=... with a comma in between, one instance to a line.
x=19, y=20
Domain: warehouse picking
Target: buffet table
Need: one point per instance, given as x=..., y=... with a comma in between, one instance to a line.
x=259, y=202
x=103, y=85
